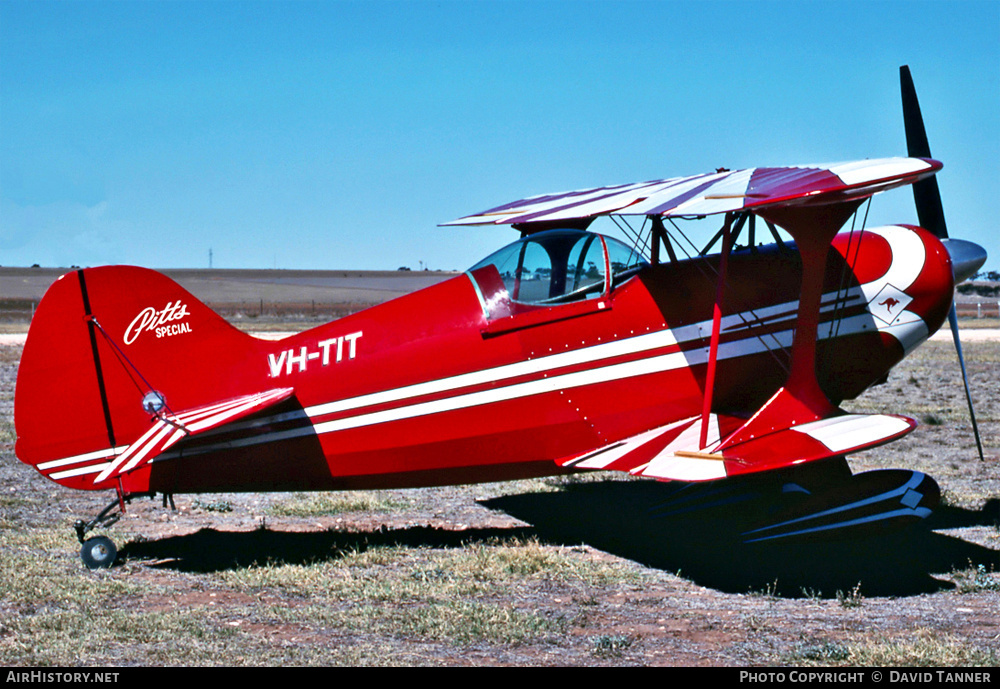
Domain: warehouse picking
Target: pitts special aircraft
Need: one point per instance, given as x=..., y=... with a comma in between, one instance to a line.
x=565, y=351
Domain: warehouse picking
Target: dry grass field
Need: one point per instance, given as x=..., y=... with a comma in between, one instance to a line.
x=257, y=299
x=572, y=571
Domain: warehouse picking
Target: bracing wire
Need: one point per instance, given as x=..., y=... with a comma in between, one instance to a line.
x=772, y=345
x=840, y=303
x=129, y=369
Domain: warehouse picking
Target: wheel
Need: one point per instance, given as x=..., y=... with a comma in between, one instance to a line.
x=98, y=552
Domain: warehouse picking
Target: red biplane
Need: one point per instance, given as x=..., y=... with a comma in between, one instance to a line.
x=565, y=351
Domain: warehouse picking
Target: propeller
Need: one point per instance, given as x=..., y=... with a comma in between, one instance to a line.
x=930, y=214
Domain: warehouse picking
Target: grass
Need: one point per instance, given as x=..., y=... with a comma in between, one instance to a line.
x=500, y=561
x=455, y=597
x=79, y=614
x=460, y=622
x=769, y=592
x=49, y=555
x=975, y=579
x=119, y=616
x=216, y=506
x=851, y=599
x=610, y=645
x=394, y=573
x=10, y=354
x=978, y=323
x=923, y=648
x=330, y=504
x=166, y=637
x=435, y=594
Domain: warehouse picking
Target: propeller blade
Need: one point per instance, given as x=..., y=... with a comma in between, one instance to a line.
x=926, y=195
x=930, y=214
x=953, y=321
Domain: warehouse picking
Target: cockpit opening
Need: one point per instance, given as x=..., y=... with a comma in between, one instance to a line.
x=554, y=267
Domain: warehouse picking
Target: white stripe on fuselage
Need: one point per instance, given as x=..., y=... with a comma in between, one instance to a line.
x=592, y=376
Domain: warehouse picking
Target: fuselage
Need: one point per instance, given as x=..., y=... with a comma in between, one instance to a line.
x=429, y=389
x=461, y=382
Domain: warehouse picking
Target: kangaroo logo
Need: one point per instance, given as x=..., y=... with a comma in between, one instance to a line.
x=889, y=304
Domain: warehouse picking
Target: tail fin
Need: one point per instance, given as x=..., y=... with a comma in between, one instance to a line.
x=101, y=342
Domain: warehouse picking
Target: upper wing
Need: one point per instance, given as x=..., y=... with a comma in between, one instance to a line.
x=720, y=192
x=672, y=452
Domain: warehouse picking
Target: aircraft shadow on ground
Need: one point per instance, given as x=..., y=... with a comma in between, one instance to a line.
x=621, y=518
x=209, y=550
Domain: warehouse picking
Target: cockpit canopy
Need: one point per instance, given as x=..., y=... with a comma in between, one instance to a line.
x=554, y=267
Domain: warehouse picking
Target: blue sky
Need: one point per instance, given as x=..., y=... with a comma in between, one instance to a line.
x=339, y=134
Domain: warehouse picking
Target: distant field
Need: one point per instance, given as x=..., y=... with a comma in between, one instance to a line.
x=241, y=294
x=295, y=300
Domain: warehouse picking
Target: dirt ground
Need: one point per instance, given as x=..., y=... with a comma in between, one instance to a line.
x=274, y=580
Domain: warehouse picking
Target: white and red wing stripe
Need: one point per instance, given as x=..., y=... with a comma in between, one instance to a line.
x=673, y=452
x=653, y=453
x=80, y=465
x=720, y=192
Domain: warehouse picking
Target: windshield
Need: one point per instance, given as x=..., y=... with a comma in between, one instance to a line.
x=554, y=267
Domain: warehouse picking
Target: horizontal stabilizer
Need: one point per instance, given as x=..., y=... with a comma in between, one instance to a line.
x=672, y=452
x=169, y=428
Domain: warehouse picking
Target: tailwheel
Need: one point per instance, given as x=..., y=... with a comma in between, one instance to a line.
x=98, y=552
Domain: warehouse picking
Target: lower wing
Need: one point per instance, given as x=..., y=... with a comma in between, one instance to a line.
x=673, y=451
